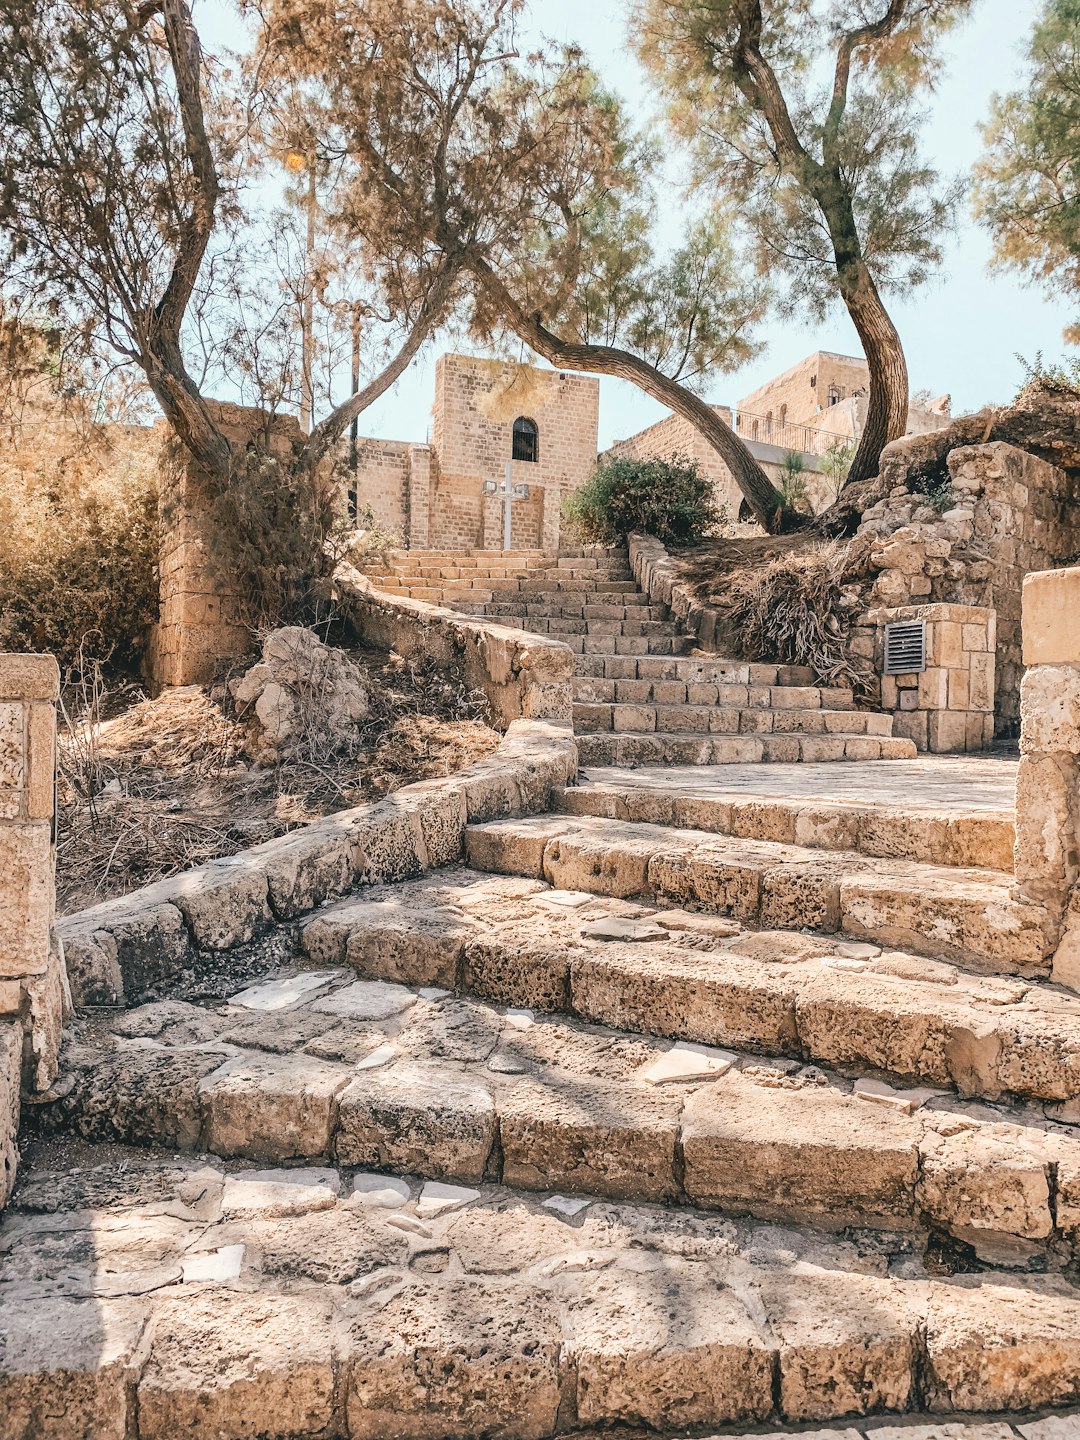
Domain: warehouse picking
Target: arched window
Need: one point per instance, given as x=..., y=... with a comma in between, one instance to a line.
x=753, y=430
x=526, y=440
x=768, y=425
x=783, y=417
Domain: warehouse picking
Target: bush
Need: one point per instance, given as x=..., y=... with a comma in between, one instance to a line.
x=78, y=567
x=672, y=500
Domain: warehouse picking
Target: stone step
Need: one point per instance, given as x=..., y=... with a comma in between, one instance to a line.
x=631, y=607
x=726, y=719
x=727, y=693
x=688, y=976
x=911, y=832
x=641, y=748
x=617, y=645
x=164, y=1298
x=379, y=1076
x=695, y=669
x=964, y=914
x=565, y=585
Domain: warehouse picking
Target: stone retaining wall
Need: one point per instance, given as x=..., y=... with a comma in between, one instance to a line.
x=999, y=513
x=1047, y=855
x=658, y=575
x=126, y=948
x=34, y=999
x=523, y=676
x=949, y=706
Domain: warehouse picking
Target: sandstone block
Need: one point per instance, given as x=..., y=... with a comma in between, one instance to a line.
x=67, y=1367
x=1050, y=709
x=11, y=1044
x=577, y=1133
x=1046, y=857
x=29, y=677
x=795, y=1153
x=225, y=1363
x=124, y=948
x=1051, y=605
x=308, y=866
x=224, y=903
x=452, y=1361
x=41, y=744
x=847, y=1343
x=412, y=1118
x=996, y=1346
x=271, y=1107
x=985, y=1184
x=666, y=1348
x=26, y=899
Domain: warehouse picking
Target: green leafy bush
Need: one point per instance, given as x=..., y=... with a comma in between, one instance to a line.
x=78, y=567
x=670, y=499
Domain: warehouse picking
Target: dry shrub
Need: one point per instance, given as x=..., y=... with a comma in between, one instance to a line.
x=795, y=607
x=78, y=566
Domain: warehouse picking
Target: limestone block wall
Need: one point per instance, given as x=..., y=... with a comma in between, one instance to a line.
x=202, y=619
x=476, y=404
x=1047, y=855
x=34, y=999
x=1001, y=514
x=949, y=706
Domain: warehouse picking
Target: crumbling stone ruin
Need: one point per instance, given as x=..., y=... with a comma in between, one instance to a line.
x=560, y=1094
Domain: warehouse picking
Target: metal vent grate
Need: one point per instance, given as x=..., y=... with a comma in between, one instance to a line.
x=905, y=647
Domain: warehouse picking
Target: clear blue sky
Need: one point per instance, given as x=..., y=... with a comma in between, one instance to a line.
x=961, y=332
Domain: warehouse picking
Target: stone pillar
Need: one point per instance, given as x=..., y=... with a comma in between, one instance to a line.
x=203, y=620
x=1047, y=855
x=550, y=517
x=418, y=518
x=34, y=997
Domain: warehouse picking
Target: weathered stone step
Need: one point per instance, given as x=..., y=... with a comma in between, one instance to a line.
x=911, y=832
x=692, y=977
x=578, y=607
x=383, y=1077
x=155, y=1299
x=705, y=669
x=727, y=719
x=728, y=693
x=963, y=914
x=629, y=749
x=564, y=626
x=640, y=645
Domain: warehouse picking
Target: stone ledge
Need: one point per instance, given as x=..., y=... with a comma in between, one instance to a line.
x=1052, y=617
x=524, y=676
x=126, y=946
x=29, y=677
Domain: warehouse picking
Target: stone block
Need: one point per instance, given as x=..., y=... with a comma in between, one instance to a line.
x=1046, y=858
x=11, y=1045
x=29, y=677
x=26, y=899
x=948, y=647
x=68, y=1367
x=986, y=1186
x=947, y=732
x=225, y=1363
x=41, y=746
x=411, y=1118
x=1050, y=709
x=224, y=903
x=934, y=688
x=449, y=1360
x=1052, y=617
x=665, y=1349
x=271, y=1107
x=959, y=689
x=12, y=746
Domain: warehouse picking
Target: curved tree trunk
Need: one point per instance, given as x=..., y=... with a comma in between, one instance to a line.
x=887, y=411
x=761, y=494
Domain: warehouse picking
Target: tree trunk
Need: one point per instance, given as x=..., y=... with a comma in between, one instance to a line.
x=887, y=411
x=761, y=495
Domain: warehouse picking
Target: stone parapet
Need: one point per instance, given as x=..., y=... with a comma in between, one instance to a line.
x=121, y=950
x=948, y=707
x=34, y=1000
x=523, y=676
x=658, y=575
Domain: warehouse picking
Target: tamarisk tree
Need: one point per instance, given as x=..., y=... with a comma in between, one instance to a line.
x=803, y=114
x=122, y=149
x=522, y=175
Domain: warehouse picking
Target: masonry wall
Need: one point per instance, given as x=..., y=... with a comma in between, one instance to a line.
x=203, y=620
x=476, y=403
x=34, y=999
x=801, y=393
x=381, y=482
x=1007, y=513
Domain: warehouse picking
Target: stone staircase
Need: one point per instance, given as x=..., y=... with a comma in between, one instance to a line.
x=641, y=694
x=692, y=1105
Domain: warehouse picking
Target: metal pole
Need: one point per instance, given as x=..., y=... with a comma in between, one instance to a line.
x=506, y=506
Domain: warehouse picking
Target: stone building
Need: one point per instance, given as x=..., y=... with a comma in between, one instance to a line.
x=486, y=414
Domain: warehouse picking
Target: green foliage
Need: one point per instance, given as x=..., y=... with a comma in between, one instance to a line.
x=792, y=481
x=1060, y=378
x=834, y=464
x=1027, y=190
x=672, y=500
x=78, y=569
x=269, y=524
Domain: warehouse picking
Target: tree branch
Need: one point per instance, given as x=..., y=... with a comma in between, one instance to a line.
x=850, y=42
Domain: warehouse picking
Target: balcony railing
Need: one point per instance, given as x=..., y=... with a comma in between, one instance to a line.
x=805, y=438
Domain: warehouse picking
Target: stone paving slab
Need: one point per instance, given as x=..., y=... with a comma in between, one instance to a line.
x=355, y=1309
x=933, y=782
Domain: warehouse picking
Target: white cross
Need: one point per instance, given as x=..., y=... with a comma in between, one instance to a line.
x=510, y=492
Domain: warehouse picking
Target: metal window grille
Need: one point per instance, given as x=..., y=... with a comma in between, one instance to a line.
x=905, y=647
x=526, y=444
